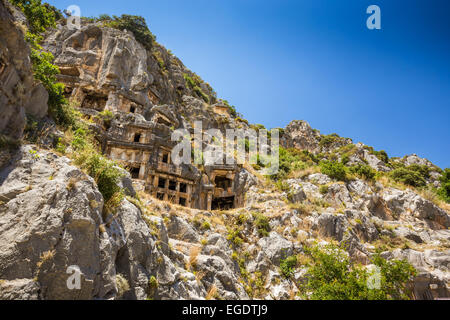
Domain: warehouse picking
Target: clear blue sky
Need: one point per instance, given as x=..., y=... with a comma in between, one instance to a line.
x=315, y=60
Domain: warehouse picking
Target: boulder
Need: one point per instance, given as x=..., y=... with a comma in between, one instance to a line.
x=276, y=248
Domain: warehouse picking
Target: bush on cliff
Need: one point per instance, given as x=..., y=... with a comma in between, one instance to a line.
x=444, y=190
x=413, y=175
x=364, y=171
x=331, y=275
x=334, y=170
x=41, y=17
x=136, y=24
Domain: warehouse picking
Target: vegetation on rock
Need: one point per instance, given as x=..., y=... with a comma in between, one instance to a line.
x=332, y=275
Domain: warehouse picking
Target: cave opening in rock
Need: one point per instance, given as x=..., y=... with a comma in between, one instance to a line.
x=162, y=183
x=225, y=203
x=135, y=173
x=137, y=137
x=96, y=102
x=182, y=201
x=172, y=185
x=222, y=183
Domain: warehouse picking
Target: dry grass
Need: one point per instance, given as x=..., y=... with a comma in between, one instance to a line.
x=199, y=276
x=46, y=256
x=122, y=285
x=194, y=251
x=212, y=292
x=300, y=174
x=71, y=185
x=93, y=204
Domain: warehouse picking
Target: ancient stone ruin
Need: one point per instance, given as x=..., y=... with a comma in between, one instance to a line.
x=138, y=137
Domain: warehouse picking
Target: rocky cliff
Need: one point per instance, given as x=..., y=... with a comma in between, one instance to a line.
x=53, y=215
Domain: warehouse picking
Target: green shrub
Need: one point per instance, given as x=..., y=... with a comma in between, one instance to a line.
x=292, y=159
x=323, y=189
x=105, y=173
x=334, y=170
x=345, y=159
x=232, y=109
x=206, y=225
x=444, y=190
x=136, y=24
x=40, y=16
x=382, y=155
x=409, y=177
x=79, y=141
x=423, y=170
x=234, y=236
x=262, y=224
x=328, y=140
x=331, y=275
x=364, y=171
x=288, y=265
x=153, y=283
x=194, y=83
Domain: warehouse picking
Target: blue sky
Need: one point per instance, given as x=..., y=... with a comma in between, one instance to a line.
x=315, y=60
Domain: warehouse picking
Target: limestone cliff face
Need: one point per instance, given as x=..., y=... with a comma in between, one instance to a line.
x=105, y=68
x=16, y=77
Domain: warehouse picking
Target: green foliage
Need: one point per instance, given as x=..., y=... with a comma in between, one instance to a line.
x=332, y=275
x=423, y=170
x=40, y=16
x=288, y=265
x=334, y=170
x=136, y=24
x=239, y=119
x=232, y=109
x=283, y=186
x=444, y=190
x=104, y=171
x=262, y=224
x=328, y=140
x=364, y=171
x=79, y=141
x=323, y=189
x=206, y=225
x=382, y=155
x=234, y=236
x=345, y=159
x=413, y=175
x=194, y=83
x=45, y=71
x=291, y=160
x=152, y=282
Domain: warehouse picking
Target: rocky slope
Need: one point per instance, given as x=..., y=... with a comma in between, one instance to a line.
x=53, y=216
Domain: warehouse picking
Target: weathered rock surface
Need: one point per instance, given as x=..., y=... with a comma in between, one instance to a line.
x=16, y=78
x=300, y=135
